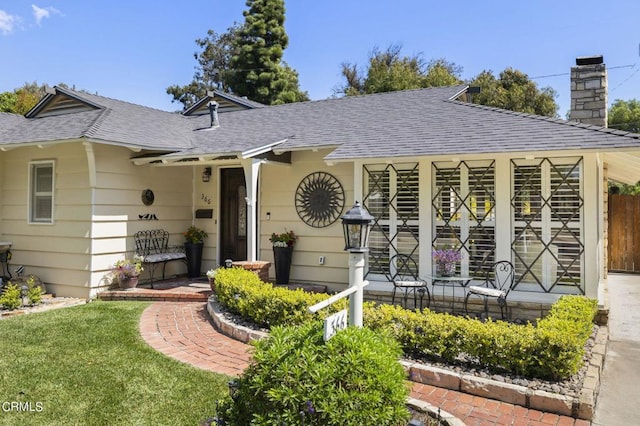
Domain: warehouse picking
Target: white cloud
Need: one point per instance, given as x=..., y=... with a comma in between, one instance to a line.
x=39, y=13
x=7, y=22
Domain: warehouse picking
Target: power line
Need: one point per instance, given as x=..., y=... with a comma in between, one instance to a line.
x=568, y=73
x=626, y=79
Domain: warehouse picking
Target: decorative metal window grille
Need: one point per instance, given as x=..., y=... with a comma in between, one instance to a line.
x=464, y=212
x=392, y=199
x=547, y=208
x=42, y=177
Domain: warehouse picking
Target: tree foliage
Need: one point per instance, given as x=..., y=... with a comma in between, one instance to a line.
x=388, y=70
x=245, y=60
x=22, y=99
x=513, y=90
x=257, y=68
x=625, y=115
x=216, y=50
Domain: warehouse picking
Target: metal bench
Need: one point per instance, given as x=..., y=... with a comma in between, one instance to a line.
x=153, y=247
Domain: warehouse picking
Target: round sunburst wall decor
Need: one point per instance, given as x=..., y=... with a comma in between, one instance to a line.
x=319, y=199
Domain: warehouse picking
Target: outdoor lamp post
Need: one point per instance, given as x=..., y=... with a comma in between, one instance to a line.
x=356, y=224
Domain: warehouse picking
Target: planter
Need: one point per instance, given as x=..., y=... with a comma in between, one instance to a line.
x=128, y=283
x=282, y=257
x=446, y=269
x=194, y=258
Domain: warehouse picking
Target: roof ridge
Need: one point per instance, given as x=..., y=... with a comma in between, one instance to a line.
x=549, y=119
x=84, y=94
x=460, y=88
x=95, y=126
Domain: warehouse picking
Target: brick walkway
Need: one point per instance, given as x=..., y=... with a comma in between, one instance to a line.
x=184, y=331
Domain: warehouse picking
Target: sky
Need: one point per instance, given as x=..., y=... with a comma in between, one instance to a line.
x=134, y=50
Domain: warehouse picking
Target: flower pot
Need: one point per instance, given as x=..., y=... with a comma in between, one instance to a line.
x=194, y=258
x=446, y=269
x=128, y=283
x=282, y=257
x=212, y=284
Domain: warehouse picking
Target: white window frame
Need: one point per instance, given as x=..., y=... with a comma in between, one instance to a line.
x=545, y=224
x=33, y=194
x=464, y=223
x=393, y=222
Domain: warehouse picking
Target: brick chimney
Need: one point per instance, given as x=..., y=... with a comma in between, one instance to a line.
x=589, y=91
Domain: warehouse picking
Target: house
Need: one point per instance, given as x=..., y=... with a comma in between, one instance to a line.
x=432, y=168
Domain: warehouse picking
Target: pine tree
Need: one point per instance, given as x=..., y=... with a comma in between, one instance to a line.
x=257, y=70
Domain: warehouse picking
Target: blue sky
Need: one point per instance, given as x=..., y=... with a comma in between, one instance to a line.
x=134, y=50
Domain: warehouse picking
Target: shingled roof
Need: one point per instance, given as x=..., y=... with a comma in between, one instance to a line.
x=396, y=124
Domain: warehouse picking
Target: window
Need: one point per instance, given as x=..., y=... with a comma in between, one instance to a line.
x=464, y=212
x=391, y=196
x=546, y=206
x=41, y=192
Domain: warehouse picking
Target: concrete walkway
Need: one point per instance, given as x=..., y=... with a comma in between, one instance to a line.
x=618, y=403
x=184, y=331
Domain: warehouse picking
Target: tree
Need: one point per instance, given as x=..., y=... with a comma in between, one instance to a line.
x=389, y=71
x=22, y=99
x=211, y=71
x=257, y=70
x=514, y=91
x=625, y=115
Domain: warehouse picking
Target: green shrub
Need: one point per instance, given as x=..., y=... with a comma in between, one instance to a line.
x=296, y=378
x=11, y=297
x=551, y=349
x=34, y=292
x=242, y=292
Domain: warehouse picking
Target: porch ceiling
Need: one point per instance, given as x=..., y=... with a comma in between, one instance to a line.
x=623, y=167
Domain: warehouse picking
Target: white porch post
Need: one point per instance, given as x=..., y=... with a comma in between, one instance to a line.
x=251, y=168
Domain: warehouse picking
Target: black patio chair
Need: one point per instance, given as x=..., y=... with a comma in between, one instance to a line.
x=403, y=273
x=497, y=285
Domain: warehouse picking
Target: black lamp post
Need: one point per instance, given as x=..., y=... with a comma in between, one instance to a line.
x=356, y=224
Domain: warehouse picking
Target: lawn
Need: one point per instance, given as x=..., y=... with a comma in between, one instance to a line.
x=88, y=365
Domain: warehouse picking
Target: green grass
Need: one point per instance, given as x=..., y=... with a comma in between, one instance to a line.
x=88, y=365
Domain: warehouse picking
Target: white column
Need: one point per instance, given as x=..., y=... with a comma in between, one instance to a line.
x=251, y=171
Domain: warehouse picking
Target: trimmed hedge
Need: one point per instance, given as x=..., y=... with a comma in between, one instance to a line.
x=243, y=293
x=552, y=349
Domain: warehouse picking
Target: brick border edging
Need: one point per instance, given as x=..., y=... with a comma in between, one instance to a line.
x=582, y=407
x=229, y=329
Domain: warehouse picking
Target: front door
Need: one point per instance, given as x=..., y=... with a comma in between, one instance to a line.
x=233, y=215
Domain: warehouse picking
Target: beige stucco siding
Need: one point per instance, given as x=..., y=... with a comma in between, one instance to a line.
x=278, y=186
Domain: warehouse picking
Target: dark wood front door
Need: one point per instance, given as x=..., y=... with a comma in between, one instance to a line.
x=233, y=215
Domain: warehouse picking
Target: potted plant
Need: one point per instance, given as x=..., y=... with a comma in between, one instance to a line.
x=282, y=252
x=211, y=275
x=446, y=260
x=127, y=272
x=193, y=245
